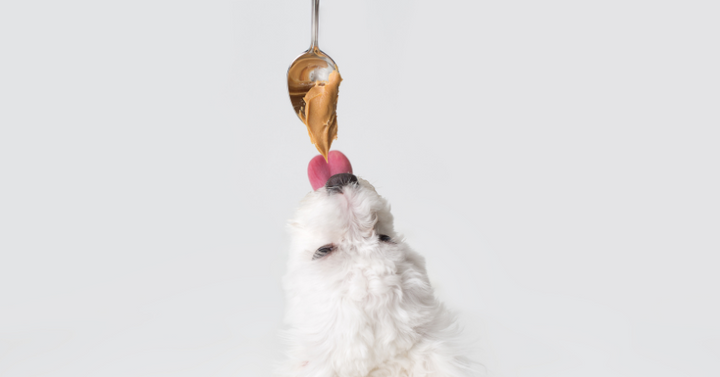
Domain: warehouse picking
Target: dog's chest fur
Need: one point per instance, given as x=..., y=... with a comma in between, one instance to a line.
x=383, y=306
x=369, y=315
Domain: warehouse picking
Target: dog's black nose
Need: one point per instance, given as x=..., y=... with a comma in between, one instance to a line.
x=337, y=181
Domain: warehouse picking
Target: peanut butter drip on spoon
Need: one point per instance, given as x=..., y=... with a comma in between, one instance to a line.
x=320, y=115
x=313, y=80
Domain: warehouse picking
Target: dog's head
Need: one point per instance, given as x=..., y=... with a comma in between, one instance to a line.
x=344, y=217
x=344, y=248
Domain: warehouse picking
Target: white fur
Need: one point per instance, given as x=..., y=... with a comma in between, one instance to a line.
x=367, y=309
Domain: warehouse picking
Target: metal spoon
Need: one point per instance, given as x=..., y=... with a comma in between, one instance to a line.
x=309, y=68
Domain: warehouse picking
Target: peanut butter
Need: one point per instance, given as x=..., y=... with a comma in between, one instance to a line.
x=320, y=115
x=313, y=81
x=302, y=76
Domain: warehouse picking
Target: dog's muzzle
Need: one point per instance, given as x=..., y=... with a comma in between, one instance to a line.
x=337, y=181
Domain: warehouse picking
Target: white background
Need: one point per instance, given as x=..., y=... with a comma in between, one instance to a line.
x=557, y=163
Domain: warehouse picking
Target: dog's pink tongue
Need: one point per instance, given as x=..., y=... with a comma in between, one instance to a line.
x=320, y=171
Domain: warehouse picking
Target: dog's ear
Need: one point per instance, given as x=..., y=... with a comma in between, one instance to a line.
x=320, y=171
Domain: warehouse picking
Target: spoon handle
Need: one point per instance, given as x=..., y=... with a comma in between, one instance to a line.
x=315, y=22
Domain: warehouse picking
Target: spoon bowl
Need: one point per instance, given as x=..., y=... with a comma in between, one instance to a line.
x=311, y=68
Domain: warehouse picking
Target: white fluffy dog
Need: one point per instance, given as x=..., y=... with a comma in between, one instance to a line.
x=359, y=303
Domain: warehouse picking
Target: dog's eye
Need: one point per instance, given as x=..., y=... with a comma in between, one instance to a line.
x=385, y=238
x=323, y=251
